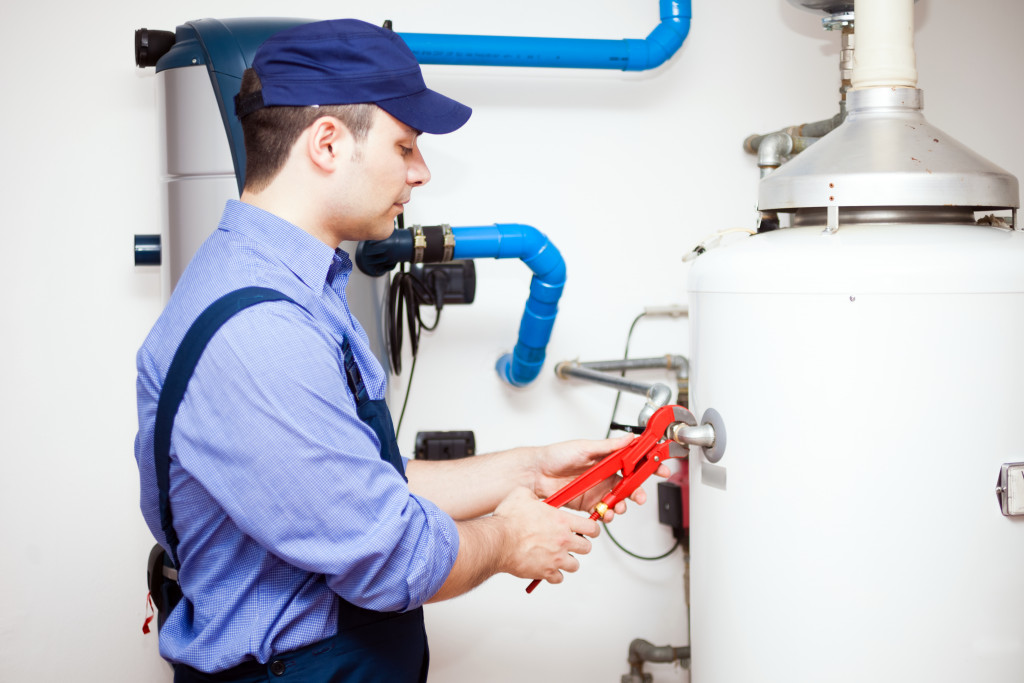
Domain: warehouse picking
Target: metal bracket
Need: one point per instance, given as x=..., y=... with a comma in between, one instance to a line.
x=1010, y=489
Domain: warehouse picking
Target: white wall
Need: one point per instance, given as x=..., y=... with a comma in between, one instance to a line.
x=625, y=172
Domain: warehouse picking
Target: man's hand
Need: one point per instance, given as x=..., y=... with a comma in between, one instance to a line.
x=524, y=537
x=558, y=464
x=541, y=539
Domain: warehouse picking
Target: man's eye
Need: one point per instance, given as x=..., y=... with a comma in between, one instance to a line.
x=406, y=151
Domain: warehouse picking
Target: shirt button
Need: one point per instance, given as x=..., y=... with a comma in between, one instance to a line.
x=277, y=667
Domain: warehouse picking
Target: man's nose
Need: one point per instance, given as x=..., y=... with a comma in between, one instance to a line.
x=418, y=174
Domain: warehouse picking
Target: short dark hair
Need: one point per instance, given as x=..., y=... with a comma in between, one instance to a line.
x=270, y=132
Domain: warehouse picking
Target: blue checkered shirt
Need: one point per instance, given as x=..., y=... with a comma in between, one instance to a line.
x=279, y=495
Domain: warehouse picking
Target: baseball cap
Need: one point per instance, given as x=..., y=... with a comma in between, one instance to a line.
x=347, y=61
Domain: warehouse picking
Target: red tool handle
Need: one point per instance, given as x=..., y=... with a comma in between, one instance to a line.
x=635, y=462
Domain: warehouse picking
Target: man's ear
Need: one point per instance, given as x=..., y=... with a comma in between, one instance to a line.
x=329, y=143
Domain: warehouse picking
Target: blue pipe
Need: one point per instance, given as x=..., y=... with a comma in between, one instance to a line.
x=227, y=47
x=525, y=242
x=504, y=240
x=629, y=54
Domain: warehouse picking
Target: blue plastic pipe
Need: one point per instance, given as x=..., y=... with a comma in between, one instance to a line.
x=510, y=240
x=629, y=54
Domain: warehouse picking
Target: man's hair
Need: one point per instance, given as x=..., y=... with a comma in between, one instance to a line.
x=270, y=132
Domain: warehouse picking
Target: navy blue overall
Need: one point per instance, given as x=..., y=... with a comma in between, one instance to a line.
x=370, y=646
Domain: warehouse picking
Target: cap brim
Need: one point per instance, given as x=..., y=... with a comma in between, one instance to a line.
x=428, y=111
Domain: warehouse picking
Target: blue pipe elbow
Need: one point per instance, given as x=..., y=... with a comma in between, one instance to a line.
x=664, y=41
x=525, y=242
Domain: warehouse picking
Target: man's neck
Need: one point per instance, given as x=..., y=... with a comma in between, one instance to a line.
x=296, y=213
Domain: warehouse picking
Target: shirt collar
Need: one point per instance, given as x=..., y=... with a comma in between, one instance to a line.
x=311, y=260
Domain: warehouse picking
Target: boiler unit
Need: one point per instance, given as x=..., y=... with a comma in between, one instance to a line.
x=864, y=523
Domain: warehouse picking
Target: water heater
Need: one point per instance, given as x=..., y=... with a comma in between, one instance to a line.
x=867, y=361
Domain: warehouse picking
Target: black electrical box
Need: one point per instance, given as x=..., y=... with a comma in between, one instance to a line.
x=454, y=281
x=444, y=445
x=670, y=508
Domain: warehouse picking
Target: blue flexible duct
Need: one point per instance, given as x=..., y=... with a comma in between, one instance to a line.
x=525, y=242
x=572, y=53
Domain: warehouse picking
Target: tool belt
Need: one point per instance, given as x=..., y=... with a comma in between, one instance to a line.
x=162, y=580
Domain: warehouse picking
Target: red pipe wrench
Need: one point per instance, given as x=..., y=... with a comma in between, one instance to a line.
x=634, y=463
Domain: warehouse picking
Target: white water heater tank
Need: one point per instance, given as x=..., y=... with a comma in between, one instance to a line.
x=870, y=381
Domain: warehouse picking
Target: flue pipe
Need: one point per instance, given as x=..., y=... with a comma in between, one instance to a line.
x=884, y=56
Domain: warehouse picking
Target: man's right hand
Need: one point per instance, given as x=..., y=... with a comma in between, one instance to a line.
x=542, y=539
x=524, y=537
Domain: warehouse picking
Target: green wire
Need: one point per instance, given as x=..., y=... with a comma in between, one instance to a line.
x=615, y=409
x=632, y=554
x=408, y=390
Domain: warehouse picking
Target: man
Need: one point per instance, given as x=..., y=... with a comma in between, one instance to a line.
x=305, y=545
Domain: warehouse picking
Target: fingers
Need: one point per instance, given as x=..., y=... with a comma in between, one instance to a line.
x=583, y=526
x=581, y=545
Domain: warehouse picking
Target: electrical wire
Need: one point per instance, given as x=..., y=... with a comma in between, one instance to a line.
x=408, y=388
x=612, y=424
x=408, y=292
x=632, y=554
x=618, y=394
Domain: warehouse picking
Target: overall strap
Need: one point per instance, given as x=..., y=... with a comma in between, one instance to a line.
x=374, y=412
x=352, y=374
x=182, y=366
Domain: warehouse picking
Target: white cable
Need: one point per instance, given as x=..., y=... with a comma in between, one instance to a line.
x=712, y=241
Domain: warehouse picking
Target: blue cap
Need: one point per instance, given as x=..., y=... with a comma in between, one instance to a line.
x=347, y=61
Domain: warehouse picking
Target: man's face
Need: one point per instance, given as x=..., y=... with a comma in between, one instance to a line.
x=384, y=169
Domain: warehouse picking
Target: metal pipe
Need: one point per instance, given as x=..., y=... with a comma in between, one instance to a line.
x=667, y=362
x=772, y=151
x=700, y=435
x=657, y=394
x=806, y=134
x=641, y=651
x=570, y=368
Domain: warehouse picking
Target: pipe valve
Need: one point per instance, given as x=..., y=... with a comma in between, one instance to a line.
x=709, y=434
x=692, y=435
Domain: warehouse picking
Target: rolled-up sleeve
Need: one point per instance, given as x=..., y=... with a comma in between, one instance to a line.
x=269, y=429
